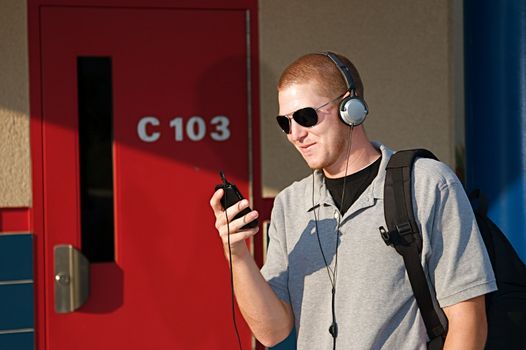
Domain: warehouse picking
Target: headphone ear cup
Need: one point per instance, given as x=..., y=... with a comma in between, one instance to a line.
x=353, y=110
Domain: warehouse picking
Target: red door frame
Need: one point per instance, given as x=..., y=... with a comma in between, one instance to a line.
x=36, y=124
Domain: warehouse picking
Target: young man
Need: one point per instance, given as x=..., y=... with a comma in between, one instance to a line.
x=327, y=266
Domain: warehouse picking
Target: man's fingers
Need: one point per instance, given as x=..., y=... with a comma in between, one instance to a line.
x=233, y=210
x=232, y=226
x=239, y=236
x=215, y=201
x=237, y=224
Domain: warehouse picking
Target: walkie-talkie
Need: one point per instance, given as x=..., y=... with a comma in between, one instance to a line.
x=231, y=196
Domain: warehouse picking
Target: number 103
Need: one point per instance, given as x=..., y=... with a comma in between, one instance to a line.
x=194, y=129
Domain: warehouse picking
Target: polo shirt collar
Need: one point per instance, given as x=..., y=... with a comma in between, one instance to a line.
x=374, y=191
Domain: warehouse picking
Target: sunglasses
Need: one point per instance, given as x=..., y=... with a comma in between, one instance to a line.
x=306, y=117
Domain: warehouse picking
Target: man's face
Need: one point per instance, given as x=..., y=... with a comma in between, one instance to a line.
x=323, y=146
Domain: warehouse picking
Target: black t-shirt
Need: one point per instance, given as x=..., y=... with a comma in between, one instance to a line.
x=355, y=184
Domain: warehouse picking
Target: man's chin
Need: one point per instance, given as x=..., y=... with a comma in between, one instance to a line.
x=314, y=165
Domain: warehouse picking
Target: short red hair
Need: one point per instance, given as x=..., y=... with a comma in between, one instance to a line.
x=321, y=69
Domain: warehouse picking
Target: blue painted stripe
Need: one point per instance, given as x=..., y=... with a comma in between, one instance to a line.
x=16, y=257
x=495, y=90
x=17, y=341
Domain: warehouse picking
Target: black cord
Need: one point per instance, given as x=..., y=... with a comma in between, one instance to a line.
x=233, y=300
x=333, y=329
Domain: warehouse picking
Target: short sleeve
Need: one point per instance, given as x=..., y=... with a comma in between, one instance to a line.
x=458, y=262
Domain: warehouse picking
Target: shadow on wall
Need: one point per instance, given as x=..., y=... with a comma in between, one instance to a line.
x=275, y=148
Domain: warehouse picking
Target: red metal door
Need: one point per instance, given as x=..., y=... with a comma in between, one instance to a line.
x=181, y=112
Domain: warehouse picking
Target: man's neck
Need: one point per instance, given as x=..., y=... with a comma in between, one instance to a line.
x=362, y=154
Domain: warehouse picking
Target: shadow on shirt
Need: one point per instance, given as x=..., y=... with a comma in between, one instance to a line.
x=305, y=259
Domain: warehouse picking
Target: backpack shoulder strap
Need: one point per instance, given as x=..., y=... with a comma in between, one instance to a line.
x=403, y=234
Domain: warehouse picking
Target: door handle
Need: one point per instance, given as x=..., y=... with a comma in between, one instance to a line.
x=71, y=278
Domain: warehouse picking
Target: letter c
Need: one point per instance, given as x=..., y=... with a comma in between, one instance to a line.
x=141, y=129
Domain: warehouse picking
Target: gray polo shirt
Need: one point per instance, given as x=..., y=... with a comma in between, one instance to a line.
x=375, y=306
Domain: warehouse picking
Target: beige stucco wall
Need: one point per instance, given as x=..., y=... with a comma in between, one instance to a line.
x=15, y=164
x=405, y=55
x=406, y=52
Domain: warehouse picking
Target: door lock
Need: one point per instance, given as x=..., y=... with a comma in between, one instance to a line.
x=62, y=278
x=71, y=278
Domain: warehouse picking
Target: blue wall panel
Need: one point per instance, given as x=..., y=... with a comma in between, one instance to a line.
x=495, y=78
x=16, y=306
x=16, y=257
x=17, y=295
x=17, y=341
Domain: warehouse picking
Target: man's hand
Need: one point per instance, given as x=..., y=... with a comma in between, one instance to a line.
x=237, y=234
x=269, y=318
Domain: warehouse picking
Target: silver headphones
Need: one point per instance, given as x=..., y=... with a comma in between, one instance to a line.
x=353, y=108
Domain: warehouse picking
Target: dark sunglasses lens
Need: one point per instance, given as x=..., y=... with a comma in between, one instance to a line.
x=306, y=117
x=283, y=123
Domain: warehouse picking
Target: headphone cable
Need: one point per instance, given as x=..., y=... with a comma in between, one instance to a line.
x=333, y=329
x=233, y=298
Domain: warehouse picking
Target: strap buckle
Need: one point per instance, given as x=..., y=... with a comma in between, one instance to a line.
x=401, y=235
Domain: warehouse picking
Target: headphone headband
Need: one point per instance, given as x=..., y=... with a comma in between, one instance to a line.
x=343, y=68
x=352, y=109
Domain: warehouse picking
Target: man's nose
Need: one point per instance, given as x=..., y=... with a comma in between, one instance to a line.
x=297, y=132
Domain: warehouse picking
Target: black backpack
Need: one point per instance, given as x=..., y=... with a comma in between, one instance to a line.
x=505, y=308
